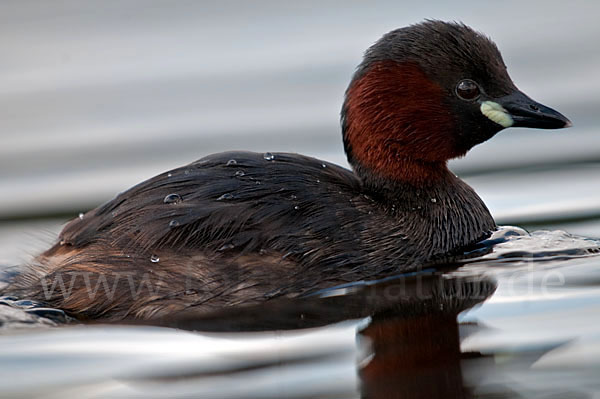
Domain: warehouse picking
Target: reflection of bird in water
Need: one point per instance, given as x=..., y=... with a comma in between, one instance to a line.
x=412, y=340
x=416, y=344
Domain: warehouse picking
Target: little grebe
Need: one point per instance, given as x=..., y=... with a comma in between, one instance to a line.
x=242, y=227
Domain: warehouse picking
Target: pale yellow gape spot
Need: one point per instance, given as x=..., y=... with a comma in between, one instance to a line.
x=496, y=113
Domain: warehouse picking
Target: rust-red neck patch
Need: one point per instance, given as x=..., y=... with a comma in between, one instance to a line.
x=397, y=123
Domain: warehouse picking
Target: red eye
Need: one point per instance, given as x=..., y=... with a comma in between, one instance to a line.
x=467, y=90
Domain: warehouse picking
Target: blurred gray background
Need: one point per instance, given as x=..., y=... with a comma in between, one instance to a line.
x=97, y=96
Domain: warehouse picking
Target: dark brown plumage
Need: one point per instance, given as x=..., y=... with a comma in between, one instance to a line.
x=243, y=227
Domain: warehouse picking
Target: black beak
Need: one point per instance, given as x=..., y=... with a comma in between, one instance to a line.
x=528, y=113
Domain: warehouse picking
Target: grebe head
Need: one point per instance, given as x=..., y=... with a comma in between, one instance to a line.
x=428, y=93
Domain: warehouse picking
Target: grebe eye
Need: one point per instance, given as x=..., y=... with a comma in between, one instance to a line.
x=467, y=90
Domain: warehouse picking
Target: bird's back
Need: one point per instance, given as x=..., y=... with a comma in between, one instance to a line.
x=241, y=227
